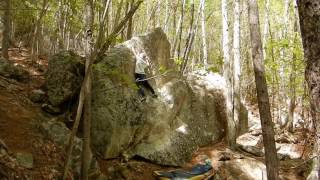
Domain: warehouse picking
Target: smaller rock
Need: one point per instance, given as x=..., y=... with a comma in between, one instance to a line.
x=37, y=96
x=51, y=109
x=286, y=137
x=289, y=151
x=251, y=144
x=13, y=71
x=25, y=159
x=244, y=169
x=256, y=132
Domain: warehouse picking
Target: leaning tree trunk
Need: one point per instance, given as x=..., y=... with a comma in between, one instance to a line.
x=86, y=155
x=6, y=30
x=309, y=12
x=262, y=93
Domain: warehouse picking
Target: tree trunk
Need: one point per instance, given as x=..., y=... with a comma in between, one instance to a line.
x=189, y=44
x=262, y=93
x=309, y=12
x=185, y=58
x=130, y=24
x=292, y=78
x=203, y=35
x=35, y=36
x=86, y=152
x=61, y=23
x=231, y=134
x=236, y=64
x=6, y=30
x=102, y=23
x=175, y=51
x=266, y=27
x=166, y=19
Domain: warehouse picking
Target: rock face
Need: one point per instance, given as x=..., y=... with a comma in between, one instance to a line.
x=189, y=112
x=64, y=77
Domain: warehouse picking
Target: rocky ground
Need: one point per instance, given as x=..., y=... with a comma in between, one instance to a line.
x=26, y=153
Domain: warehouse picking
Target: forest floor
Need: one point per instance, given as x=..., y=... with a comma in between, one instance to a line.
x=19, y=121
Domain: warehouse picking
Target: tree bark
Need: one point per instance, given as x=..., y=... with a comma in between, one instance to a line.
x=130, y=24
x=86, y=150
x=6, y=30
x=262, y=93
x=166, y=19
x=177, y=39
x=292, y=78
x=185, y=58
x=203, y=35
x=231, y=134
x=190, y=41
x=35, y=36
x=309, y=12
x=266, y=27
x=236, y=65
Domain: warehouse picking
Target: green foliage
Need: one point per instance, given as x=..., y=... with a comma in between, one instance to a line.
x=178, y=61
x=214, y=69
x=162, y=69
x=286, y=56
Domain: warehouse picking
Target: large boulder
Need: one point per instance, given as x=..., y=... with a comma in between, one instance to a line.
x=64, y=77
x=189, y=112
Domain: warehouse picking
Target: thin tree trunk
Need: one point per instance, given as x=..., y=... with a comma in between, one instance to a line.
x=130, y=24
x=292, y=103
x=180, y=29
x=86, y=152
x=6, y=30
x=236, y=65
x=61, y=23
x=177, y=38
x=190, y=42
x=203, y=35
x=262, y=93
x=102, y=23
x=310, y=27
x=166, y=19
x=231, y=134
x=283, y=53
x=118, y=13
x=184, y=58
x=35, y=36
x=266, y=27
